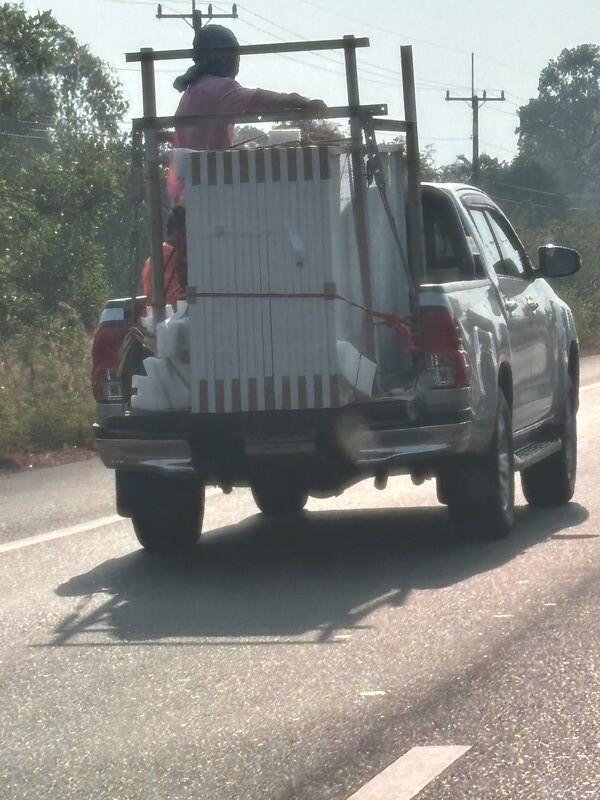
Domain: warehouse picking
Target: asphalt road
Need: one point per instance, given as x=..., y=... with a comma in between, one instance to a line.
x=298, y=659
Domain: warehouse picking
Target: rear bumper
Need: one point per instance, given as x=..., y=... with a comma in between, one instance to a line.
x=222, y=450
x=163, y=456
x=413, y=445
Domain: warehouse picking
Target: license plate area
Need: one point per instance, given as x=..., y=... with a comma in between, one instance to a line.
x=290, y=444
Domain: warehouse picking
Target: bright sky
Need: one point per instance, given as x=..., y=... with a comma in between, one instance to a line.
x=512, y=41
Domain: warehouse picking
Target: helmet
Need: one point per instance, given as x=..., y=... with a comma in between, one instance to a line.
x=212, y=36
x=207, y=63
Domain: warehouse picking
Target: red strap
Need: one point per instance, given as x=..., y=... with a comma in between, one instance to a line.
x=401, y=327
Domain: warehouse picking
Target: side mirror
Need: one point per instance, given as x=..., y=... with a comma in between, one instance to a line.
x=558, y=262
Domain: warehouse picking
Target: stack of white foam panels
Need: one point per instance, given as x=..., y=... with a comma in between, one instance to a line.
x=268, y=250
x=166, y=384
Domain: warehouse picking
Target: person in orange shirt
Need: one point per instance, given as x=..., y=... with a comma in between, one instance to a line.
x=174, y=260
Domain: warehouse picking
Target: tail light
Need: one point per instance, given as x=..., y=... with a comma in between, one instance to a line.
x=441, y=345
x=106, y=386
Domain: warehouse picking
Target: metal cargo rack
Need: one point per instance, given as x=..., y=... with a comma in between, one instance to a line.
x=365, y=121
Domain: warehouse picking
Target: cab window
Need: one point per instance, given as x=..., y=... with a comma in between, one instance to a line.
x=513, y=261
x=444, y=243
x=490, y=252
x=501, y=249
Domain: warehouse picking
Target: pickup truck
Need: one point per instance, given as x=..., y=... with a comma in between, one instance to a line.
x=342, y=322
x=491, y=389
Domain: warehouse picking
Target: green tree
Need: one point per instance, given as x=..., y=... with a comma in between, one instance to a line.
x=526, y=188
x=80, y=94
x=521, y=187
x=560, y=128
x=63, y=173
x=248, y=133
x=25, y=52
x=429, y=169
x=48, y=78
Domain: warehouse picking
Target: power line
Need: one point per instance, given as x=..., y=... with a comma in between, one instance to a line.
x=443, y=139
x=517, y=202
x=370, y=72
x=130, y=2
x=547, y=193
x=380, y=27
x=518, y=97
x=23, y=136
x=437, y=45
x=498, y=147
x=366, y=66
x=512, y=114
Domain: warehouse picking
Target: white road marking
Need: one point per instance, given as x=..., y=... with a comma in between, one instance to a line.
x=589, y=386
x=82, y=527
x=409, y=775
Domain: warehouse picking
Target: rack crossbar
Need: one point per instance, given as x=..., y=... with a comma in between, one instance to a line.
x=252, y=49
x=392, y=125
x=188, y=120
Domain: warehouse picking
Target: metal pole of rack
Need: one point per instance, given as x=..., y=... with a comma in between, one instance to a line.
x=359, y=191
x=416, y=238
x=153, y=186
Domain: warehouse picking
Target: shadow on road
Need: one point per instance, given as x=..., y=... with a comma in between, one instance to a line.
x=310, y=577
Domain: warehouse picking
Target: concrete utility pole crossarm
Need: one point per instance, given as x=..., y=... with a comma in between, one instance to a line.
x=475, y=102
x=198, y=16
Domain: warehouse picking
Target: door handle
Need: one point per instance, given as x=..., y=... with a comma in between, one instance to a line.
x=532, y=304
x=510, y=305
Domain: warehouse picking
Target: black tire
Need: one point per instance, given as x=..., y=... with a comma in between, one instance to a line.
x=551, y=482
x=480, y=491
x=441, y=487
x=167, y=513
x=278, y=499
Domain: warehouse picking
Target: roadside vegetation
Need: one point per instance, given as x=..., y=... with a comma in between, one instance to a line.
x=66, y=210
x=45, y=400
x=64, y=228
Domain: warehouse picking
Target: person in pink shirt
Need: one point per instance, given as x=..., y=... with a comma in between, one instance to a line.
x=209, y=87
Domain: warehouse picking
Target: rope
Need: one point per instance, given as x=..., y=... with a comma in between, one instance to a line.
x=400, y=326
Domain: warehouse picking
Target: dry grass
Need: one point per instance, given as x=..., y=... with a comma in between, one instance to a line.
x=585, y=304
x=45, y=396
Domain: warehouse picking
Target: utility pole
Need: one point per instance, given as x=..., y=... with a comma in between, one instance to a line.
x=198, y=16
x=475, y=102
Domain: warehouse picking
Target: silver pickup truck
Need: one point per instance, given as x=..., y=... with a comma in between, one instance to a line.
x=491, y=389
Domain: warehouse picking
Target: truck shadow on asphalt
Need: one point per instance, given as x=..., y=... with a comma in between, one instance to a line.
x=303, y=580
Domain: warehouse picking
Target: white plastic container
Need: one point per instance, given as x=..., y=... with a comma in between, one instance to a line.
x=172, y=335
x=283, y=136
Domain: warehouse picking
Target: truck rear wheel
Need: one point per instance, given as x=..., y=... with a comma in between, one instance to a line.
x=276, y=498
x=480, y=491
x=166, y=513
x=551, y=482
